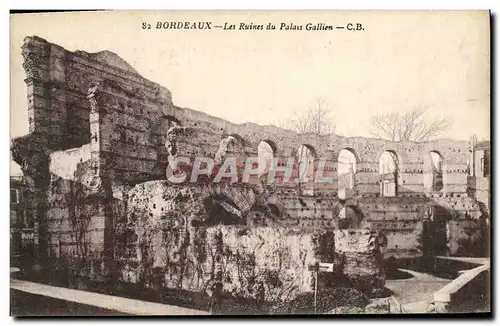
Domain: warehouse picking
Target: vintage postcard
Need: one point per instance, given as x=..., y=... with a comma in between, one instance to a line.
x=250, y=163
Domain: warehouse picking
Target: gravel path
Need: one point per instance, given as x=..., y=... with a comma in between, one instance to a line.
x=420, y=288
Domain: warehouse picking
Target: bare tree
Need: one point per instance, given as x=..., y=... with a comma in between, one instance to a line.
x=412, y=125
x=316, y=119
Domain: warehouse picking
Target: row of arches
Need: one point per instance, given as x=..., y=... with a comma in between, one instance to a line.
x=347, y=161
x=389, y=168
x=389, y=172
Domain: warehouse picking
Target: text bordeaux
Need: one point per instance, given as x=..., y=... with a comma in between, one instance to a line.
x=202, y=25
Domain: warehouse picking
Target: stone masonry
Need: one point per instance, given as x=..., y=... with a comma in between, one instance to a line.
x=98, y=148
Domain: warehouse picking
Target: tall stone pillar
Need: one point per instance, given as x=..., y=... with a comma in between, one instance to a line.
x=101, y=183
x=35, y=148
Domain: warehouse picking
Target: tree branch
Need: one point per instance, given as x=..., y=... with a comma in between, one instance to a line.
x=410, y=126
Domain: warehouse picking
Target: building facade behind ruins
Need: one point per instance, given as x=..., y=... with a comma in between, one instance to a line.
x=100, y=139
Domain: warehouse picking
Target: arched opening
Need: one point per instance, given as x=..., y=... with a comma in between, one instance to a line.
x=232, y=149
x=346, y=168
x=388, y=170
x=264, y=215
x=236, y=146
x=265, y=153
x=433, y=171
x=350, y=217
x=159, y=135
x=274, y=210
x=230, y=146
x=161, y=126
x=222, y=210
x=172, y=121
x=434, y=233
x=306, y=156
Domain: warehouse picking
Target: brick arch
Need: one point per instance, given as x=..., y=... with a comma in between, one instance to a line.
x=253, y=139
x=275, y=201
x=242, y=142
x=353, y=151
x=234, y=143
x=398, y=175
x=310, y=148
x=364, y=151
x=453, y=151
x=434, y=230
x=172, y=118
x=305, y=166
x=244, y=199
x=346, y=173
x=354, y=217
x=159, y=126
x=220, y=209
x=275, y=209
x=426, y=157
x=437, y=152
x=391, y=150
x=175, y=136
x=272, y=144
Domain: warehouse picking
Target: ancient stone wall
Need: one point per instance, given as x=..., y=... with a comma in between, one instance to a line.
x=173, y=242
x=173, y=236
x=98, y=129
x=58, y=81
x=134, y=115
x=75, y=216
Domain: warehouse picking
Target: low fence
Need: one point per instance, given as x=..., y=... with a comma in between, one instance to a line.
x=470, y=283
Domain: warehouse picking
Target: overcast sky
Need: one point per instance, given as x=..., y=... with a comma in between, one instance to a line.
x=401, y=60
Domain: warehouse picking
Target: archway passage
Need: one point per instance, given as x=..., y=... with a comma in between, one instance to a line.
x=160, y=127
x=264, y=215
x=221, y=210
x=274, y=210
x=163, y=138
x=350, y=217
x=346, y=169
x=231, y=146
x=171, y=121
x=305, y=157
x=434, y=234
x=236, y=146
x=389, y=171
x=265, y=153
x=433, y=171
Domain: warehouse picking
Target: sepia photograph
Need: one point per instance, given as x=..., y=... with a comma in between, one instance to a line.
x=237, y=163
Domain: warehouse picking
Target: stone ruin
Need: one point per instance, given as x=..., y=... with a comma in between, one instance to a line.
x=99, y=142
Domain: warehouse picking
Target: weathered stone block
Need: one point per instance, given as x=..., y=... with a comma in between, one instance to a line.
x=363, y=261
